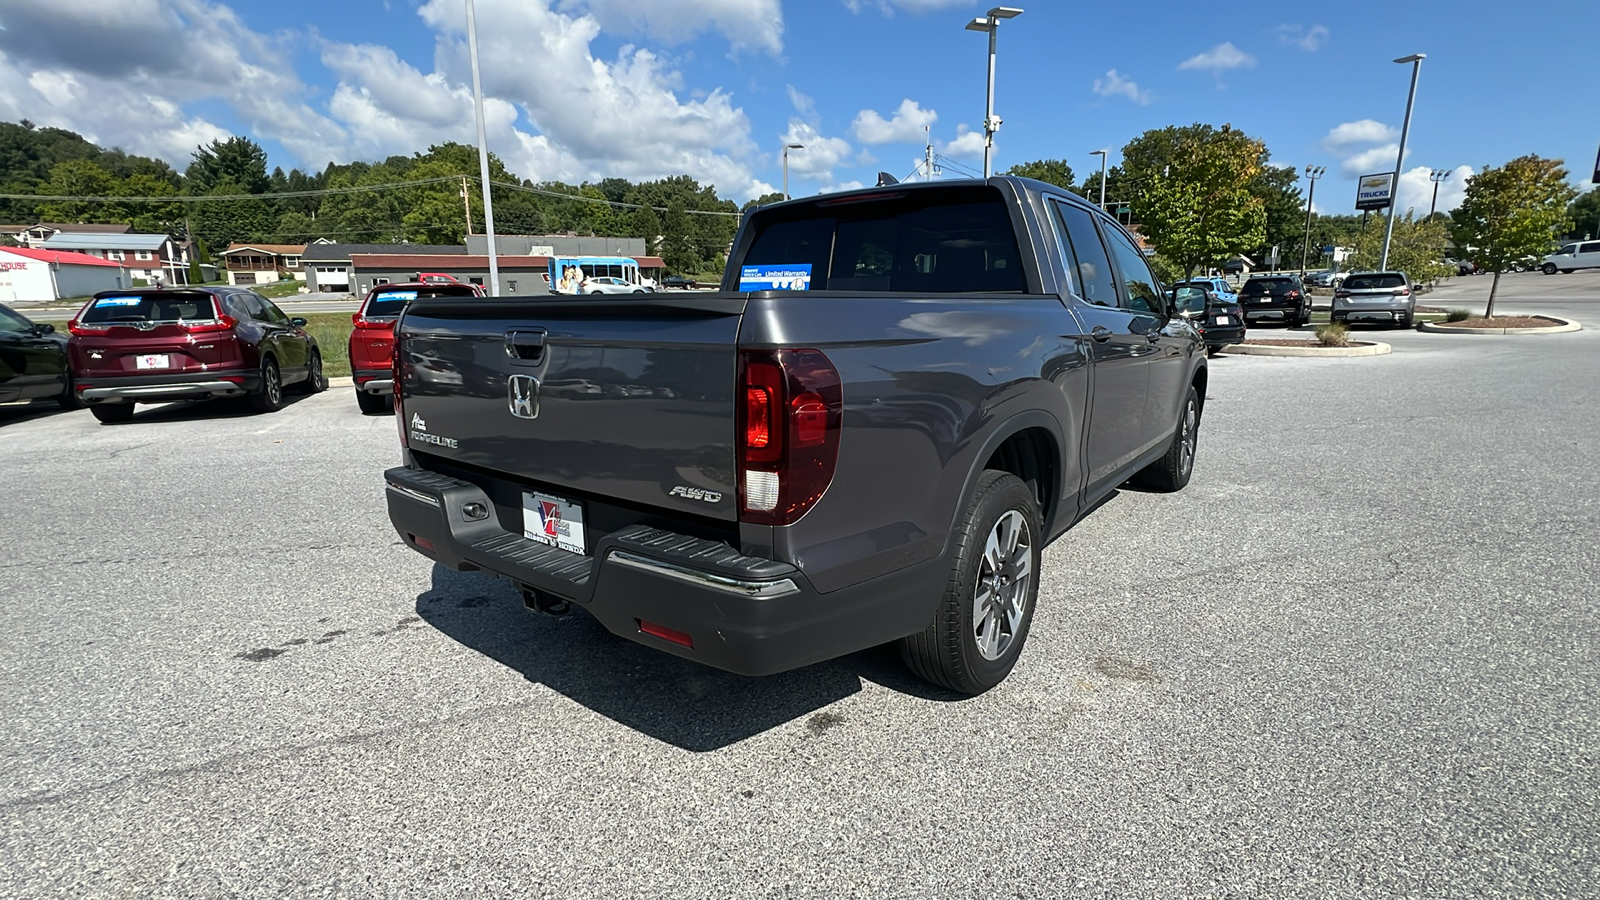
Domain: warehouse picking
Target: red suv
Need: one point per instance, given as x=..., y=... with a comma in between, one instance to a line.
x=158, y=345
x=372, y=340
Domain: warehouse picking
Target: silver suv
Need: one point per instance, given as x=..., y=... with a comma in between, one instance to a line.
x=1375, y=296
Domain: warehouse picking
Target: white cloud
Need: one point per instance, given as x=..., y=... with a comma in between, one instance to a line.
x=819, y=154
x=1365, y=131
x=1218, y=59
x=1370, y=162
x=1416, y=190
x=841, y=186
x=803, y=104
x=756, y=24
x=1114, y=85
x=888, y=7
x=1306, y=38
x=905, y=125
x=967, y=145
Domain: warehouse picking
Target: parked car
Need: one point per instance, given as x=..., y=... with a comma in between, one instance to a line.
x=1381, y=296
x=1219, y=288
x=606, y=284
x=372, y=340
x=1585, y=255
x=33, y=361
x=1276, y=297
x=681, y=282
x=436, y=278
x=154, y=345
x=1221, y=320
x=784, y=476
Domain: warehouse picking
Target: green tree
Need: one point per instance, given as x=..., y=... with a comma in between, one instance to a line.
x=1051, y=171
x=644, y=223
x=677, y=242
x=222, y=219
x=77, y=178
x=152, y=217
x=1512, y=213
x=1417, y=248
x=1585, y=215
x=1285, y=212
x=1193, y=194
x=237, y=159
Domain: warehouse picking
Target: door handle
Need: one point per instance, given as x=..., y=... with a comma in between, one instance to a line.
x=1152, y=336
x=1101, y=334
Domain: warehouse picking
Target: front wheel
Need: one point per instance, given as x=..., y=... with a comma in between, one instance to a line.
x=982, y=621
x=1548, y=268
x=1171, y=472
x=316, y=380
x=269, y=397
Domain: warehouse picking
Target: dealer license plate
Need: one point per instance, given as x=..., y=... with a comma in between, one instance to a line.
x=1224, y=320
x=554, y=521
x=155, y=361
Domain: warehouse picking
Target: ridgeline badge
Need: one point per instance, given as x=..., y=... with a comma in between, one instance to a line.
x=420, y=434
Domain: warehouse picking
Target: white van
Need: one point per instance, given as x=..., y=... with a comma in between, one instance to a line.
x=1573, y=256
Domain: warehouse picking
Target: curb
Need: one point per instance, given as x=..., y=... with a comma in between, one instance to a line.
x=1566, y=325
x=345, y=381
x=1358, y=348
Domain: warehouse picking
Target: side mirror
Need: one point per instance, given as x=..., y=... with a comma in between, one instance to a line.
x=1189, y=302
x=298, y=322
x=44, y=329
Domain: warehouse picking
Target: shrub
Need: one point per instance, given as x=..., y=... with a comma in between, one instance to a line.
x=1333, y=334
x=1457, y=315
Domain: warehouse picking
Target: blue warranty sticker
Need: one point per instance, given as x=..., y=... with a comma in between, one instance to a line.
x=792, y=277
x=118, y=301
x=399, y=295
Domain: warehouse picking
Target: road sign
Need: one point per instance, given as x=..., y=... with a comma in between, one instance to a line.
x=1327, y=248
x=1374, y=191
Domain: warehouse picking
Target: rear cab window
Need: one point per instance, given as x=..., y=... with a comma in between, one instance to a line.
x=1373, y=282
x=110, y=308
x=955, y=240
x=1268, y=286
x=386, y=303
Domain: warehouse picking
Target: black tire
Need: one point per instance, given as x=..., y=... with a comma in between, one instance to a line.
x=316, y=380
x=1172, y=471
x=269, y=397
x=112, y=413
x=948, y=652
x=1548, y=268
x=374, y=404
x=1213, y=351
x=68, y=398
x=1566, y=271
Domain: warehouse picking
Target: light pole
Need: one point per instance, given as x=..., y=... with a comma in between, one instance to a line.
x=483, y=152
x=1400, y=157
x=786, y=149
x=1102, y=155
x=1436, y=176
x=991, y=122
x=1312, y=174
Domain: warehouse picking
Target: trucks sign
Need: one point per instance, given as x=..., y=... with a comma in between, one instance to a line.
x=1375, y=191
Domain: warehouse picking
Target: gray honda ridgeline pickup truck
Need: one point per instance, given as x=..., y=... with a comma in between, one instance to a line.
x=898, y=397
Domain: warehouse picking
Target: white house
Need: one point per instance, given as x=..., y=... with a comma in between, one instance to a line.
x=146, y=256
x=264, y=263
x=39, y=276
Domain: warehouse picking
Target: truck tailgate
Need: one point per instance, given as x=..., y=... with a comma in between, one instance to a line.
x=629, y=399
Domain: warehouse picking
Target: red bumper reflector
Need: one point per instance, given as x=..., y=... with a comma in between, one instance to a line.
x=665, y=633
x=422, y=542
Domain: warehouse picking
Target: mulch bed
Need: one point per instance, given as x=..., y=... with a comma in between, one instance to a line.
x=1282, y=342
x=1503, y=322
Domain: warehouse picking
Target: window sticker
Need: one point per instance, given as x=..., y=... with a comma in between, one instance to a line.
x=118, y=301
x=792, y=277
x=398, y=295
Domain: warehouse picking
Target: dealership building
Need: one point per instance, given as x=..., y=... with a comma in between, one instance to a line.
x=40, y=276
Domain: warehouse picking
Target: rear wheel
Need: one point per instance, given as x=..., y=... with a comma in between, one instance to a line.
x=1171, y=472
x=269, y=397
x=112, y=413
x=982, y=621
x=316, y=380
x=374, y=404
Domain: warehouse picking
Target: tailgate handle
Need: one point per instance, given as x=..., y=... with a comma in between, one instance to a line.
x=525, y=344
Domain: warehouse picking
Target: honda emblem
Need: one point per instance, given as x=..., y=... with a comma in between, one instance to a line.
x=522, y=396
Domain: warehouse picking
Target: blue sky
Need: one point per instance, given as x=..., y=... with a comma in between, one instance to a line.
x=582, y=89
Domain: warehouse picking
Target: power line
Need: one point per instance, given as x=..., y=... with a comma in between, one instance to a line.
x=224, y=198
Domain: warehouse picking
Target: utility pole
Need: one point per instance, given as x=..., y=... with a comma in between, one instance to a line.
x=1312, y=174
x=1102, y=155
x=1400, y=156
x=991, y=122
x=927, y=154
x=466, y=203
x=483, y=151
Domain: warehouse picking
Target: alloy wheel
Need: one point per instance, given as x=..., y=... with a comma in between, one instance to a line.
x=1005, y=573
x=1187, y=442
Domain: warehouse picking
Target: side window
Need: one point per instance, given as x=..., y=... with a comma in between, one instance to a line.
x=1590, y=248
x=234, y=305
x=273, y=313
x=1141, y=292
x=255, y=305
x=1093, y=275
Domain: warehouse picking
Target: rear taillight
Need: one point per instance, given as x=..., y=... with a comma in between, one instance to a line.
x=1293, y=294
x=361, y=321
x=789, y=433
x=74, y=328
x=223, y=323
x=1341, y=293
x=1403, y=292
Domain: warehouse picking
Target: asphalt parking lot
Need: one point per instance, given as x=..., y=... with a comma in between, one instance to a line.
x=1356, y=657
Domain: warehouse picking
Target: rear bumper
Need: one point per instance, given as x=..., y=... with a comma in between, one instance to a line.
x=1272, y=311
x=374, y=381
x=167, y=388
x=743, y=614
x=1222, y=335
